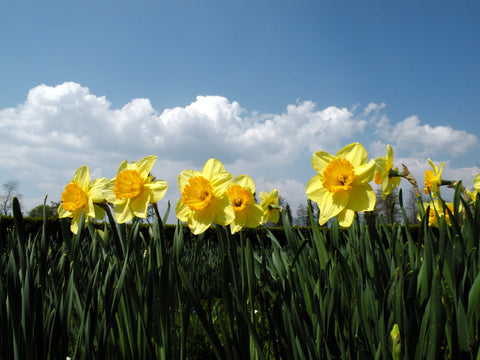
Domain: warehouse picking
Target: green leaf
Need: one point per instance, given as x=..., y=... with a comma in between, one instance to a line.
x=473, y=309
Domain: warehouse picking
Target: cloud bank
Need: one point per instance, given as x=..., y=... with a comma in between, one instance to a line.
x=59, y=128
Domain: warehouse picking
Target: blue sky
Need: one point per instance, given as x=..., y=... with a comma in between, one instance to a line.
x=260, y=85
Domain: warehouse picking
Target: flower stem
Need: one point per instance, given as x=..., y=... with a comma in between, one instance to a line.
x=409, y=177
x=157, y=214
x=395, y=173
x=105, y=206
x=278, y=207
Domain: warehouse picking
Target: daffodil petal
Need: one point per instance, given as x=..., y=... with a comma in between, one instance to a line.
x=124, y=165
x=268, y=198
x=253, y=216
x=122, y=212
x=332, y=204
x=62, y=213
x=185, y=176
x=395, y=181
x=320, y=161
x=389, y=156
x=362, y=198
x=145, y=165
x=224, y=214
x=365, y=173
x=211, y=168
x=201, y=221
x=182, y=211
x=220, y=183
x=263, y=195
x=476, y=182
x=246, y=182
x=96, y=189
x=386, y=187
x=273, y=216
x=77, y=216
x=345, y=218
x=235, y=227
x=82, y=177
x=157, y=188
x=382, y=164
x=109, y=193
x=139, y=204
x=89, y=209
x=314, y=191
x=355, y=153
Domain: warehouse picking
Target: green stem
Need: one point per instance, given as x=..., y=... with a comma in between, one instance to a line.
x=105, y=206
x=157, y=214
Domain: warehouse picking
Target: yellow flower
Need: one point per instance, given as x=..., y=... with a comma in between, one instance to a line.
x=269, y=204
x=433, y=179
x=476, y=188
x=341, y=186
x=204, y=197
x=247, y=212
x=437, y=207
x=133, y=189
x=476, y=183
x=79, y=196
x=382, y=174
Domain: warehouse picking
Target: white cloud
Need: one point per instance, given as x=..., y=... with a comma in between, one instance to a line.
x=60, y=128
x=70, y=124
x=372, y=107
x=410, y=136
x=57, y=129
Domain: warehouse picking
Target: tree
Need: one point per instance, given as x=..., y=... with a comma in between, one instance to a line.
x=10, y=189
x=410, y=204
x=50, y=210
x=388, y=207
x=301, y=214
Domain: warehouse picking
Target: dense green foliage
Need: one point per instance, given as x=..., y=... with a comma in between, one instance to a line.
x=121, y=293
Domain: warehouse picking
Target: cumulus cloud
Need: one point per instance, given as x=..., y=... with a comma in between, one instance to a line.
x=59, y=128
x=409, y=135
x=372, y=107
x=75, y=123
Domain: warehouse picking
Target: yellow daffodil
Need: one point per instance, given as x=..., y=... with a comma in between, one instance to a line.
x=476, y=188
x=133, y=189
x=341, y=186
x=204, y=198
x=80, y=195
x=476, y=183
x=269, y=204
x=247, y=212
x=382, y=174
x=433, y=179
x=436, y=206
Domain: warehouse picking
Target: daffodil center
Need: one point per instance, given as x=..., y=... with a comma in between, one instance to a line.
x=338, y=175
x=128, y=184
x=240, y=197
x=74, y=197
x=197, y=193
